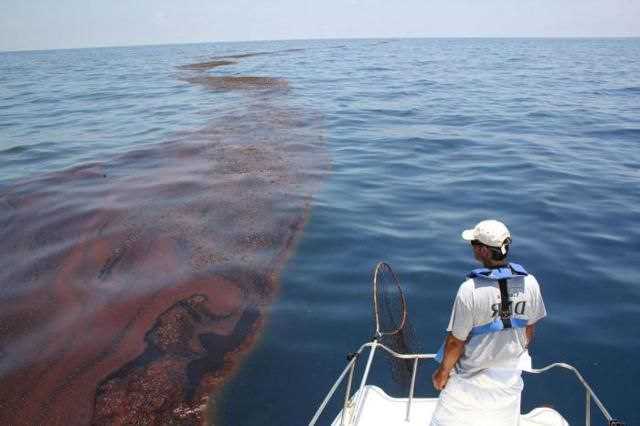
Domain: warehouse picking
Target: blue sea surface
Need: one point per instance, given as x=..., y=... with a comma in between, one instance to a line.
x=426, y=138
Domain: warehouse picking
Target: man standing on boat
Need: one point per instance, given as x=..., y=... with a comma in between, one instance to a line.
x=491, y=326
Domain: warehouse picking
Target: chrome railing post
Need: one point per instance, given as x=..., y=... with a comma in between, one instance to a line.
x=347, y=394
x=373, y=346
x=326, y=399
x=587, y=413
x=411, y=389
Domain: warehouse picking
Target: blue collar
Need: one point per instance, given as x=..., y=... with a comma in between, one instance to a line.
x=504, y=272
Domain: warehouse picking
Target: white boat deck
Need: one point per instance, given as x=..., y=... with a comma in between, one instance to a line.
x=371, y=406
x=377, y=409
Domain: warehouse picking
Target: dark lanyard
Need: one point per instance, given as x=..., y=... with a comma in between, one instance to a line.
x=505, y=304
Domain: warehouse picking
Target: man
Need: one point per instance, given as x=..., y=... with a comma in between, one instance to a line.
x=491, y=327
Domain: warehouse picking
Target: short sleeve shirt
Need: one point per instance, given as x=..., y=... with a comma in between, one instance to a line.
x=478, y=303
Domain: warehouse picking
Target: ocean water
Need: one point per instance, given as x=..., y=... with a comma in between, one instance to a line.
x=376, y=149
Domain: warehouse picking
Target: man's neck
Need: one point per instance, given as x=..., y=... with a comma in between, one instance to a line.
x=494, y=264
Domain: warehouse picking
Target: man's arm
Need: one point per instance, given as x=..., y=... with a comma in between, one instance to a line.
x=536, y=307
x=453, y=349
x=529, y=332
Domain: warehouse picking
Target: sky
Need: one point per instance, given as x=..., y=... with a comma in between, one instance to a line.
x=48, y=24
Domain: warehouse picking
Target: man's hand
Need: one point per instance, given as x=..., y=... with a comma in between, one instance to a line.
x=453, y=349
x=440, y=378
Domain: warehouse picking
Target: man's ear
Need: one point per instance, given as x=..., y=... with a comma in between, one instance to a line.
x=486, y=252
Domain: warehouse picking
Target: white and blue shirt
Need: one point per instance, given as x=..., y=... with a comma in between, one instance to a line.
x=476, y=318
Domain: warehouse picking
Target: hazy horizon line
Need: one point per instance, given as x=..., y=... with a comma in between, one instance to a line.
x=106, y=46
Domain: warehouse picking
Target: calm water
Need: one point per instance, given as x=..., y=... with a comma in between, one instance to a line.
x=426, y=138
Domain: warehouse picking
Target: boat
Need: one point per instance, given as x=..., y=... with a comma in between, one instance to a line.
x=370, y=405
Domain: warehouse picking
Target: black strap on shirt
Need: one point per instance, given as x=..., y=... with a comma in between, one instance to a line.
x=505, y=304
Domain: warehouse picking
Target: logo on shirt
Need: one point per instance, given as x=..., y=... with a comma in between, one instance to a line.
x=517, y=309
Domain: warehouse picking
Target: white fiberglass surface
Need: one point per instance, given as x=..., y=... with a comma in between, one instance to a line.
x=378, y=408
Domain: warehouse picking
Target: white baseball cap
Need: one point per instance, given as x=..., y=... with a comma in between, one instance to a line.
x=490, y=232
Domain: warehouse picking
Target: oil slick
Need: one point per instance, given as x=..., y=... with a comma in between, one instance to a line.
x=132, y=288
x=198, y=75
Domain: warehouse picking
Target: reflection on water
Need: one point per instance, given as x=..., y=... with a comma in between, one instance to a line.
x=134, y=285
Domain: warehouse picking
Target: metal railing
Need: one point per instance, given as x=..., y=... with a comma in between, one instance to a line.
x=351, y=409
x=589, y=394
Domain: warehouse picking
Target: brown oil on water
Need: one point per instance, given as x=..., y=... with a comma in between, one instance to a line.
x=132, y=288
